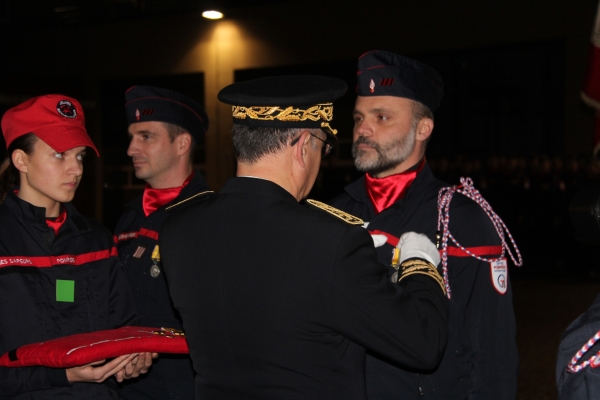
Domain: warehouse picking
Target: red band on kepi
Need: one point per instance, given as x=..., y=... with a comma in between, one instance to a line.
x=56, y=119
x=149, y=103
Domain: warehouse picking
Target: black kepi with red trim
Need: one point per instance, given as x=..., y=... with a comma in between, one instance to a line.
x=293, y=101
x=149, y=103
x=381, y=73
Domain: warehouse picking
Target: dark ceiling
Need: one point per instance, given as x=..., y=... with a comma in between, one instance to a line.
x=56, y=13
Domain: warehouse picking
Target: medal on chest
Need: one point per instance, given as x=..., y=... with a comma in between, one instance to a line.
x=154, y=269
x=395, y=264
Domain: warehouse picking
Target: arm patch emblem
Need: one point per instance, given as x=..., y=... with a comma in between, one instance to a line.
x=349, y=218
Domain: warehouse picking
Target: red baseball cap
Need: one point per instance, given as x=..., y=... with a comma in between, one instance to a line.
x=56, y=119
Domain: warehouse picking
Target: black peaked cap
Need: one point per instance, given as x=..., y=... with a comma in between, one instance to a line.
x=149, y=103
x=381, y=73
x=293, y=101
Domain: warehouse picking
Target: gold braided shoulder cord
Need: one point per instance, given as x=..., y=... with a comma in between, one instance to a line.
x=349, y=218
x=412, y=267
x=188, y=199
x=315, y=113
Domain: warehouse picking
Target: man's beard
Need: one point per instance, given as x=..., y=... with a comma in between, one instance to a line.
x=388, y=155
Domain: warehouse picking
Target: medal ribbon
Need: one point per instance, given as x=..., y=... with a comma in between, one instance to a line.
x=384, y=192
x=153, y=199
x=56, y=223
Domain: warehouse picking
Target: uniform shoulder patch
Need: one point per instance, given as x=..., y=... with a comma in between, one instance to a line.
x=191, y=199
x=349, y=218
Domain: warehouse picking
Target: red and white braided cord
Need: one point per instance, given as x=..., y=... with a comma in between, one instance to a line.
x=444, y=198
x=572, y=367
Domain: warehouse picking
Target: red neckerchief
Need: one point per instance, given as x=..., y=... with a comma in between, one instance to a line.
x=384, y=192
x=153, y=199
x=56, y=223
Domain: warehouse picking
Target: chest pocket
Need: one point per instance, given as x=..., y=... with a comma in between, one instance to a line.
x=72, y=298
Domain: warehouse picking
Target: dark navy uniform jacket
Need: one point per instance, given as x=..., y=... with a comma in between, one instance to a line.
x=481, y=360
x=279, y=299
x=585, y=384
x=171, y=376
x=32, y=259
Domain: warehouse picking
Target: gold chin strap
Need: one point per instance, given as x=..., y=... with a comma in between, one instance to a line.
x=325, y=126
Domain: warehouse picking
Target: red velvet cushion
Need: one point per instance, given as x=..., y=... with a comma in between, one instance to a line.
x=84, y=348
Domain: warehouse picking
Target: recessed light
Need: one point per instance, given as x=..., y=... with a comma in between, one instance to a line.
x=212, y=14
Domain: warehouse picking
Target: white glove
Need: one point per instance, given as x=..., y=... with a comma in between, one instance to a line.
x=379, y=240
x=414, y=244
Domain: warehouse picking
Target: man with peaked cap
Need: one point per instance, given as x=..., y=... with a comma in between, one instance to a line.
x=393, y=122
x=164, y=127
x=280, y=297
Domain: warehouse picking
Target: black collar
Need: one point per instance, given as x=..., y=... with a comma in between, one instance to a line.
x=33, y=215
x=257, y=187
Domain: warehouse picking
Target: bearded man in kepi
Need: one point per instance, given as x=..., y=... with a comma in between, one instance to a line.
x=393, y=122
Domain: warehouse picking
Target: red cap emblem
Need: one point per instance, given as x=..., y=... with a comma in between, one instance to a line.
x=66, y=109
x=372, y=86
x=137, y=114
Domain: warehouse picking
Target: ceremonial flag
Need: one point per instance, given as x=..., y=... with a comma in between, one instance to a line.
x=591, y=88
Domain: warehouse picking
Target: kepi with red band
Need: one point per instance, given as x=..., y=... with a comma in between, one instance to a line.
x=149, y=103
x=381, y=73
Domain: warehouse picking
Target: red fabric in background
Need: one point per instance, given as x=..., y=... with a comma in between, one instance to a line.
x=591, y=86
x=84, y=348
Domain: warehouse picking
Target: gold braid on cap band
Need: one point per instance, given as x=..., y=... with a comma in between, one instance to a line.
x=315, y=113
x=415, y=266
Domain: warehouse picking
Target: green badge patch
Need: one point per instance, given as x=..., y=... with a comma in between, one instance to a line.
x=65, y=291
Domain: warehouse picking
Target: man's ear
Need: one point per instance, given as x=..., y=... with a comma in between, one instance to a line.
x=184, y=142
x=20, y=159
x=301, y=148
x=424, y=129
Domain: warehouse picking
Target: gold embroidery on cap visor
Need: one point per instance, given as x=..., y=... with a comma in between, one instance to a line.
x=315, y=113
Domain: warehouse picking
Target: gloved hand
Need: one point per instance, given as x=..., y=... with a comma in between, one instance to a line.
x=378, y=240
x=414, y=244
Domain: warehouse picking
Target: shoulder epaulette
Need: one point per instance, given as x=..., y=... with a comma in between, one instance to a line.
x=349, y=218
x=194, y=198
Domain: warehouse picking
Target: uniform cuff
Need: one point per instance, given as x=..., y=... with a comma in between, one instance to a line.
x=419, y=266
x=57, y=377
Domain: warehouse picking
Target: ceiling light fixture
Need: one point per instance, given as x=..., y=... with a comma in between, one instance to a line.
x=212, y=14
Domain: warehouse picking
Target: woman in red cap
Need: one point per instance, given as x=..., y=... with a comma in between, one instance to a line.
x=59, y=271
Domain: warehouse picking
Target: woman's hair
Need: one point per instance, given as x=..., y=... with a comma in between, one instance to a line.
x=9, y=174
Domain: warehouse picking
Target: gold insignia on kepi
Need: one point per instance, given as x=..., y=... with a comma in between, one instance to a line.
x=315, y=113
x=285, y=102
x=349, y=218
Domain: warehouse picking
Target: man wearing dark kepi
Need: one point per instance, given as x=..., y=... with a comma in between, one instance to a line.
x=164, y=128
x=280, y=297
x=393, y=121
